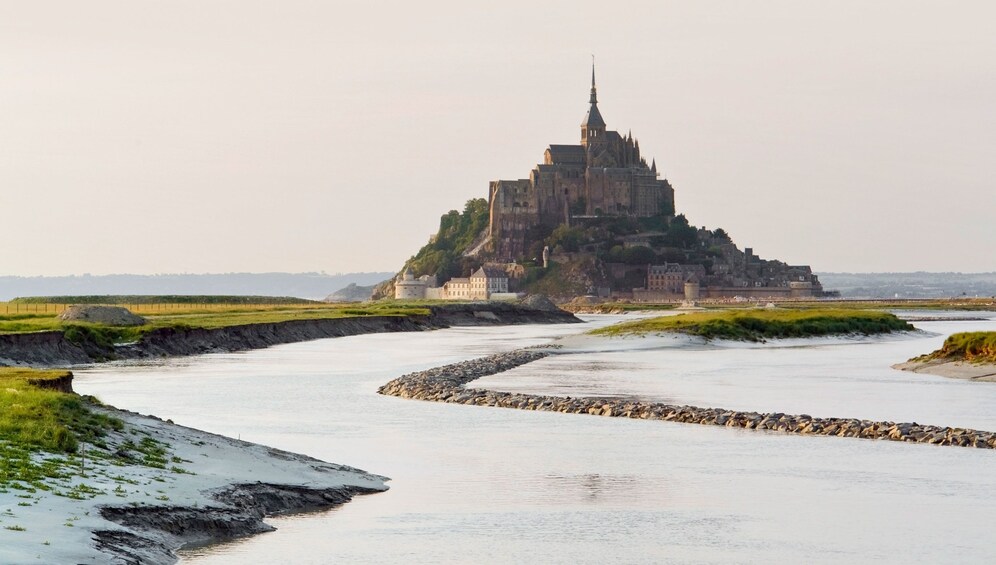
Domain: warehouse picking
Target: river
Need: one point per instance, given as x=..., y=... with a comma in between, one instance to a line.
x=488, y=485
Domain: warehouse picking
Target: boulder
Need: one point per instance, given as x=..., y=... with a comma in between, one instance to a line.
x=107, y=315
x=540, y=302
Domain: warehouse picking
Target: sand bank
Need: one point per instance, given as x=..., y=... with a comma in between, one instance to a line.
x=980, y=372
x=158, y=487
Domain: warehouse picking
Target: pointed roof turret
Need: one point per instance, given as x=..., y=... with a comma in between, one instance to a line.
x=593, y=119
x=653, y=166
x=593, y=99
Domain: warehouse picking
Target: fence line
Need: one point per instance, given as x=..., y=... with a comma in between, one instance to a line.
x=151, y=308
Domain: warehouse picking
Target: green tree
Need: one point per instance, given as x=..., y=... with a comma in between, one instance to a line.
x=443, y=256
x=680, y=233
x=639, y=255
x=567, y=237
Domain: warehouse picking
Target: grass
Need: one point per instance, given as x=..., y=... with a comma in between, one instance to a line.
x=964, y=304
x=618, y=307
x=967, y=304
x=46, y=419
x=153, y=299
x=974, y=347
x=54, y=443
x=42, y=429
x=191, y=315
x=759, y=325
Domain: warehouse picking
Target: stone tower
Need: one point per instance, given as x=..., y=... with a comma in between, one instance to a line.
x=603, y=176
x=593, y=126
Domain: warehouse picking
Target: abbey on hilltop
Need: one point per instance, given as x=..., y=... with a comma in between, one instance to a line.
x=604, y=175
x=592, y=218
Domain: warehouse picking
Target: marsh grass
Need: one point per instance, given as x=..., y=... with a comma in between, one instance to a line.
x=199, y=315
x=759, y=325
x=616, y=307
x=44, y=418
x=41, y=429
x=965, y=304
x=55, y=443
x=974, y=347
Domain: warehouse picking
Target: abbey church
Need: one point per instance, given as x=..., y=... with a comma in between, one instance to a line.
x=592, y=218
x=604, y=175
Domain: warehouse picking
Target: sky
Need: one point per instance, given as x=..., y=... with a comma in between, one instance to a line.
x=148, y=137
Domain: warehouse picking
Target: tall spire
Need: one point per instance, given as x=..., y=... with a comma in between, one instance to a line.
x=593, y=123
x=594, y=95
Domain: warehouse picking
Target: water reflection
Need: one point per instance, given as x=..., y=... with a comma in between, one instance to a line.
x=483, y=485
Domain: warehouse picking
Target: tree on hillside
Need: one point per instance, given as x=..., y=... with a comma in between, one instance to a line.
x=443, y=256
x=680, y=233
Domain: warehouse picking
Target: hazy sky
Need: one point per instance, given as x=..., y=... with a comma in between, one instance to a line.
x=215, y=136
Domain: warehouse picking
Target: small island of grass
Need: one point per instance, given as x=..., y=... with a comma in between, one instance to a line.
x=759, y=325
x=966, y=355
x=974, y=347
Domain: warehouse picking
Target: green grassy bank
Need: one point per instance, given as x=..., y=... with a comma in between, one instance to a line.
x=616, y=307
x=192, y=315
x=974, y=347
x=54, y=442
x=34, y=416
x=758, y=325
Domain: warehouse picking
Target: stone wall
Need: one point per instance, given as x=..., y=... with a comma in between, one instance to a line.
x=447, y=384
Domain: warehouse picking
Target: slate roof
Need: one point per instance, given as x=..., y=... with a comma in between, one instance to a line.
x=593, y=118
x=560, y=154
x=490, y=273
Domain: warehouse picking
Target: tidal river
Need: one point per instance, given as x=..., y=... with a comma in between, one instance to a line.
x=489, y=485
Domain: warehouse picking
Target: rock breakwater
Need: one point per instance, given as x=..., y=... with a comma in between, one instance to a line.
x=447, y=384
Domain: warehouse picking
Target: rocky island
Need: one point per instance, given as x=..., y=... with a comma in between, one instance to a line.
x=593, y=218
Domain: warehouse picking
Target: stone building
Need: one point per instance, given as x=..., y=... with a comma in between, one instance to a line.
x=407, y=287
x=457, y=288
x=486, y=283
x=604, y=175
x=670, y=278
x=481, y=285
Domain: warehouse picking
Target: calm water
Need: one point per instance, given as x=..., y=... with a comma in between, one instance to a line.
x=477, y=485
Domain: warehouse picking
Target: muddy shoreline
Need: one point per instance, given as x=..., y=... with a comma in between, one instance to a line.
x=226, y=487
x=952, y=369
x=153, y=534
x=206, y=488
x=52, y=349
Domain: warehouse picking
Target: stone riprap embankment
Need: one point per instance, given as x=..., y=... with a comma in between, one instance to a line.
x=447, y=384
